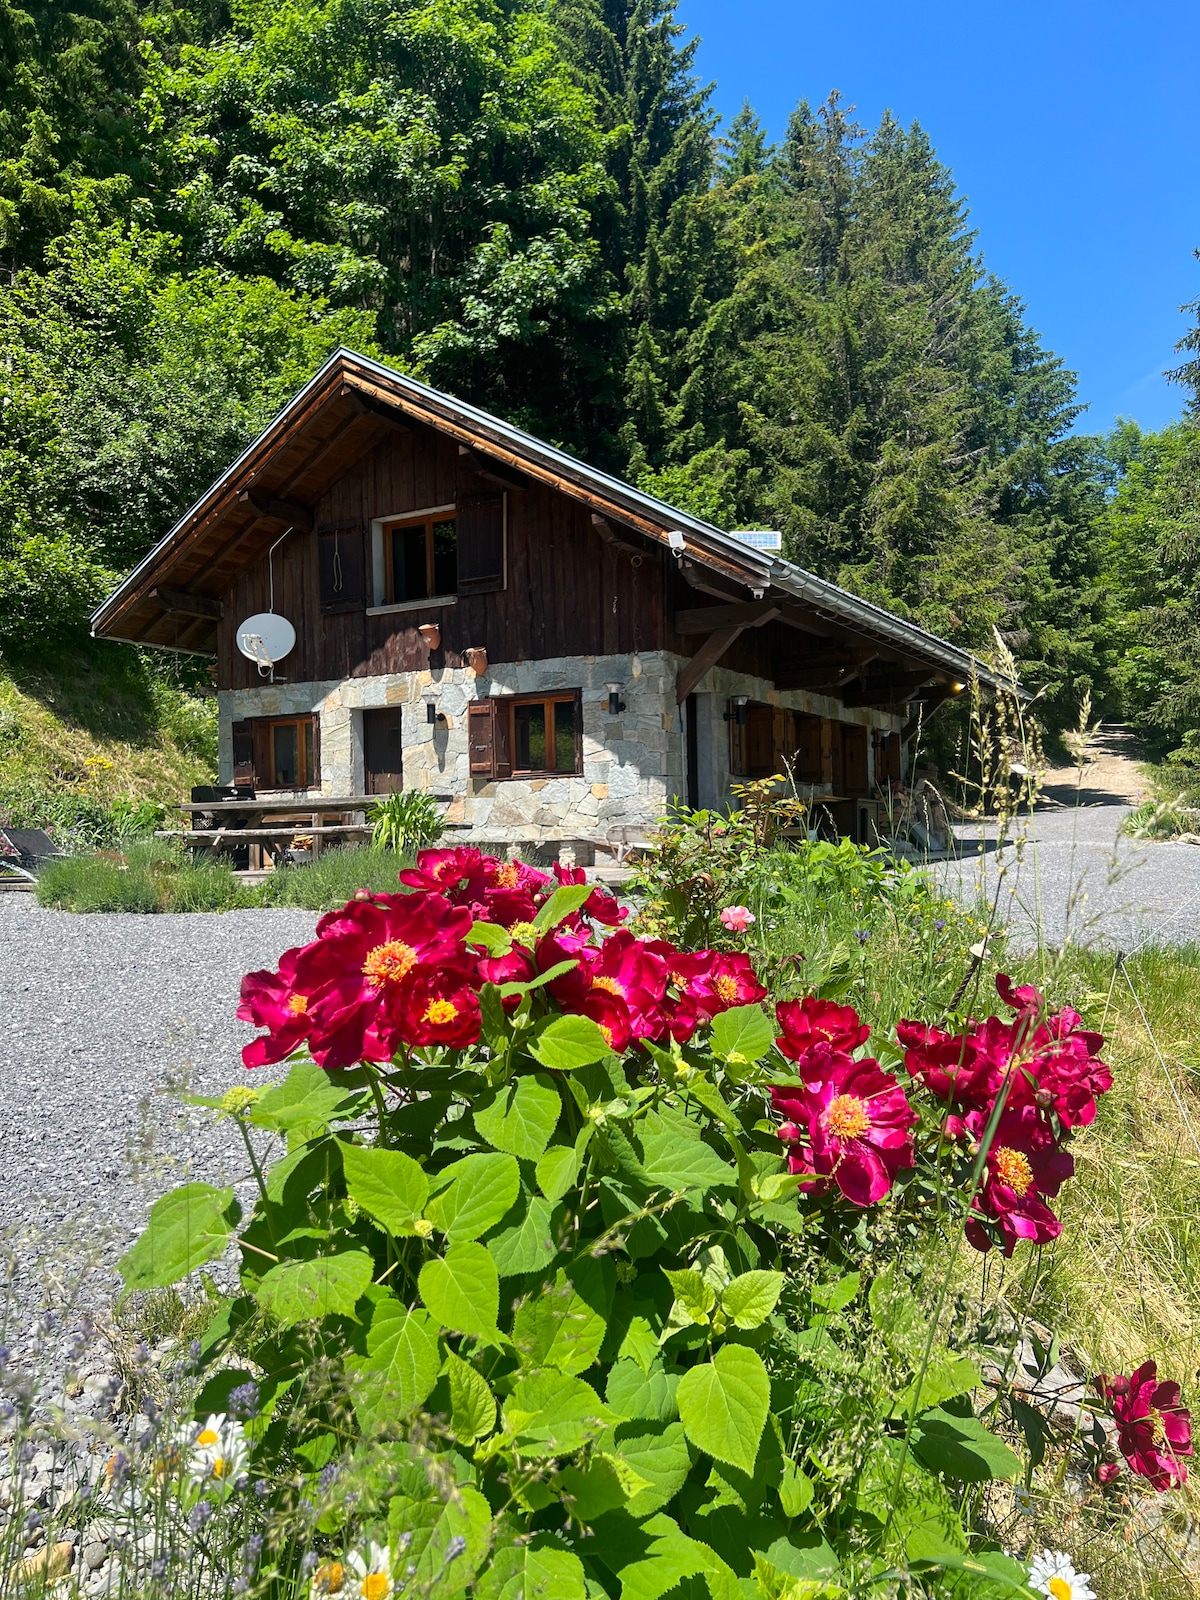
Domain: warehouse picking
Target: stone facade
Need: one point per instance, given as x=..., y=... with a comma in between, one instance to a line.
x=632, y=763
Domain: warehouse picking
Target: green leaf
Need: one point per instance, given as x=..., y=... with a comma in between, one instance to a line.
x=962, y=1448
x=540, y=1570
x=750, y=1299
x=553, y=1414
x=648, y=1395
x=522, y=1117
x=557, y=1170
x=529, y=1244
x=472, y=1404
x=795, y=1490
x=657, y=1452
x=431, y=1526
x=389, y=1186
x=401, y=1350
x=944, y=1379
x=302, y=1291
x=473, y=1195
x=600, y=1487
x=678, y=1163
x=640, y=1343
x=508, y=990
x=187, y=1227
x=837, y=1295
x=570, y=1042
x=564, y=1326
x=496, y=1027
x=742, y=1035
x=462, y=1289
x=723, y=1405
x=694, y=1297
x=565, y=900
x=497, y=941
x=307, y=1098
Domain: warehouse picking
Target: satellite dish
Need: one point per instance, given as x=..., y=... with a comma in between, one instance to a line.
x=266, y=638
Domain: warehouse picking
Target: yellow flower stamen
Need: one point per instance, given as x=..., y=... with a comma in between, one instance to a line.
x=376, y=1586
x=507, y=878
x=389, y=962
x=297, y=1004
x=1059, y=1588
x=523, y=933
x=727, y=987
x=610, y=985
x=330, y=1577
x=848, y=1118
x=207, y=1436
x=1012, y=1168
x=440, y=1011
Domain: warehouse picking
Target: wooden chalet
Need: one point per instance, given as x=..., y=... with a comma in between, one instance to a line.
x=480, y=615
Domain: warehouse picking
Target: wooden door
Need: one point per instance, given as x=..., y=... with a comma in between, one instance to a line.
x=382, y=755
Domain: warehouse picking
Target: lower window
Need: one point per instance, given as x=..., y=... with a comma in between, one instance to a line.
x=277, y=752
x=545, y=735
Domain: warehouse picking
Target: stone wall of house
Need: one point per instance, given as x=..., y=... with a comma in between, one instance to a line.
x=632, y=763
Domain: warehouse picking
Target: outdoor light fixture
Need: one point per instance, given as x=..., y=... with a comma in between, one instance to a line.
x=676, y=542
x=739, y=703
x=430, y=711
x=615, y=704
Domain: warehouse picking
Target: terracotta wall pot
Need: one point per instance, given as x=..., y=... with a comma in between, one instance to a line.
x=477, y=660
x=431, y=632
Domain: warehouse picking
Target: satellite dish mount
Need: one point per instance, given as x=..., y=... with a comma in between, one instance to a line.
x=266, y=637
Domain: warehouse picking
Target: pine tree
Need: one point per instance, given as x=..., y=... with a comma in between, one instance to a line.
x=745, y=152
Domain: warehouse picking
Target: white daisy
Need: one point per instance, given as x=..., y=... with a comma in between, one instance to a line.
x=373, y=1572
x=1023, y=1500
x=218, y=1450
x=1053, y=1574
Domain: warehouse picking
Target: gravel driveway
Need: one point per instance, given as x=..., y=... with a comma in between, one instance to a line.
x=1075, y=874
x=104, y=1020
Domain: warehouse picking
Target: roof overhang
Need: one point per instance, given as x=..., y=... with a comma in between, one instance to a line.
x=172, y=598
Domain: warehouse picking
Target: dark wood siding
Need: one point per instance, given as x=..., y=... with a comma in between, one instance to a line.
x=568, y=592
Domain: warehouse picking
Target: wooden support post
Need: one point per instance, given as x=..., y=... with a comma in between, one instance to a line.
x=747, y=614
x=709, y=653
x=278, y=510
x=826, y=751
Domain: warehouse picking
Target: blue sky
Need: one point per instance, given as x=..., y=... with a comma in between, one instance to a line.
x=1070, y=126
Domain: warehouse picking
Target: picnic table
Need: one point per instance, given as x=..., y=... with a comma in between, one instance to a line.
x=269, y=820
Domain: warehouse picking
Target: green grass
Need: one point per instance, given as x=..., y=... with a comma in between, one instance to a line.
x=151, y=876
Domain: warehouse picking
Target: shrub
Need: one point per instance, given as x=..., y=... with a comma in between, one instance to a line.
x=332, y=879
x=572, y=1271
x=147, y=875
x=407, y=821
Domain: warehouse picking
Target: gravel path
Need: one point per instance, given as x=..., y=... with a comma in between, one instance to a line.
x=1072, y=872
x=104, y=1021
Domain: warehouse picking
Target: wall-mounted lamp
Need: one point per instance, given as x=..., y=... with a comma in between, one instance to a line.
x=431, y=632
x=676, y=542
x=432, y=714
x=739, y=702
x=615, y=704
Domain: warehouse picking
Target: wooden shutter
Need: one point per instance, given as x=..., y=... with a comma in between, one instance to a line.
x=760, y=751
x=737, y=743
x=854, y=759
x=243, y=754
x=264, y=767
x=341, y=554
x=887, y=758
x=808, y=749
x=831, y=756
x=314, y=736
x=480, y=522
x=783, y=740
x=481, y=738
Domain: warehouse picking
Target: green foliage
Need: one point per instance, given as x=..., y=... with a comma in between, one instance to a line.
x=408, y=820
x=140, y=876
x=332, y=879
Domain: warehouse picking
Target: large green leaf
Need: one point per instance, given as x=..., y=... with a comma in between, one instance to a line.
x=678, y=1163
x=401, y=1347
x=570, y=1042
x=750, y=1299
x=301, y=1291
x=723, y=1405
x=308, y=1098
x=563, y=903
x=187, y=1227
x=472, y=1404
x=473, y=1195
x=522, y=1117
x=565, y=1325
x=961, y=1447
x=945, y=1378
x=634, y=1393
x=539, y=1570
x=552, y=1414
x=527, y=1245
x=388, y=1185
x=652, y=1557
x=559, y=1166
x=742, y=1035
x=462, y=1289
x=658, y=1453
x=431, y=1526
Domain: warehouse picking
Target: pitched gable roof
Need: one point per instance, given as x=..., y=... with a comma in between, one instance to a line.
x=345, y=410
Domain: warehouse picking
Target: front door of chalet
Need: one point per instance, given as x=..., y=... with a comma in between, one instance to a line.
x=382, y=751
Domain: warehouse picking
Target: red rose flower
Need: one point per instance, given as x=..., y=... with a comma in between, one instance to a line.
x=274, y=1001
x=439, y=1007
x=623, y=966
x=360, y=969
x=811, y=1022
x=1023, y=1163
x=601, y=906
x=851, y=1129
x=1154, y=1428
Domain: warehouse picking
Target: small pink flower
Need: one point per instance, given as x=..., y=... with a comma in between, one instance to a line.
x=737, y=919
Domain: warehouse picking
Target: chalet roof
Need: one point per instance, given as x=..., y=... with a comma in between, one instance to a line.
x=346, y=409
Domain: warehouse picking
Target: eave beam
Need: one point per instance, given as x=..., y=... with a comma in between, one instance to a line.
x=747, y=614
x=709, y=653
x=889, y=691
x=190, y=605
x=278, y=510
x=614, y=539
x=490, y=471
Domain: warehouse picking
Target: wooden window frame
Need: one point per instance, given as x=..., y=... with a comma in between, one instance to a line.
x=421, y=519
x=255, y=737
x=507, y=708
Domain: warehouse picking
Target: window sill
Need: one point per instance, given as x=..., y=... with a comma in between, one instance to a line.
x=525, y=776
x=413, y=605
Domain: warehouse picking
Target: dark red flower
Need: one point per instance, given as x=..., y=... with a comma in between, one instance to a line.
x=850, y=1129
x=275, y=1001
x=1154, y=1428
x=601, y=906
x=1023, y=1163
x=1107, y=1472
x=714, y=980
x=810, y=1023
x=362, y=964
x=462, y=874
x=439, y=1008
x=623, y=966
x=612, y=1016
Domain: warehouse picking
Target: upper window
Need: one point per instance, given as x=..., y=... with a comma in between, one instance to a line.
x=420, y=558
x=436, y=554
